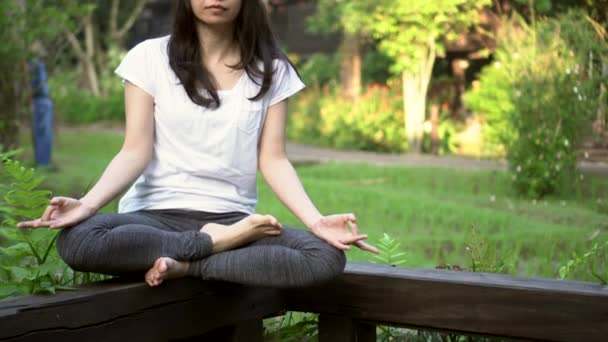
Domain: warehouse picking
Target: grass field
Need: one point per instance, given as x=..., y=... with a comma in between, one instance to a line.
x=429, y=210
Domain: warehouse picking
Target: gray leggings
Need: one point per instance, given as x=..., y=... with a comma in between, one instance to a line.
x=129, y=243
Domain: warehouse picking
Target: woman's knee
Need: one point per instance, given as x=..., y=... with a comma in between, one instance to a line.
x=74, y=243
x=325, y=260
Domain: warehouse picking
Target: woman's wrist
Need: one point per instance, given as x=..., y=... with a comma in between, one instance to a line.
x=89, y=205
x=313, y=221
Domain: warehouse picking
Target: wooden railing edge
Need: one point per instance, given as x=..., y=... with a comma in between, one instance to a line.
x=350, y=307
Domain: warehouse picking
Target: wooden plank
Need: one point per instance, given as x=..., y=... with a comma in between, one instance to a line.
x=118, y=311
x=476, y=303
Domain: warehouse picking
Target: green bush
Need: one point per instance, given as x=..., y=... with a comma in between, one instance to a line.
x=538, y=97
x=303, y=125
x=320, y=69
x=76, y=105
x=376, y=66
x=374, y=122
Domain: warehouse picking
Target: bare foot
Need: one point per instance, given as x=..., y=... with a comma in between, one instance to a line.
x=166, y=268
x=247, y=230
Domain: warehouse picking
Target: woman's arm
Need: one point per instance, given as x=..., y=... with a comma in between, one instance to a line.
x=284, y=182
x=278, y=171
x=127, y=165
x=135, y=154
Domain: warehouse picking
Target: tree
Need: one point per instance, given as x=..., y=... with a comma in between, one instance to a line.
x=24, y=22
x=346, y=17
x=98, y=32
x=413, y=33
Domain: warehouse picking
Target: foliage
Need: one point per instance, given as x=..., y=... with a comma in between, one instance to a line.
x=77, y=105
x=537, y=97
x=29, y=263
x=376, y=66
x=410, y=33
x=304, y=120
x=593, y=262
x=406, y=30
x=483, y=253
x=292, y=326
x=598, y=9
x=374, y=123
x=320, y=69
x=28, y=266
x=338, y=15
x=23, y=24
x=389, y=251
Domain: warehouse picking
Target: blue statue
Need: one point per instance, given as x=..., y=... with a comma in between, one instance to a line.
x=42, y=122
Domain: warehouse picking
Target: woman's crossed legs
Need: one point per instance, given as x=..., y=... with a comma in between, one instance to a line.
x=232, y=247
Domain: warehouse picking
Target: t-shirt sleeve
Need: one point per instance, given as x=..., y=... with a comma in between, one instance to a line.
x=285, y=82
x=136, y=68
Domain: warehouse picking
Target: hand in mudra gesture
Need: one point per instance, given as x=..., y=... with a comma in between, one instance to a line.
x=61, y=212
x=333, y=229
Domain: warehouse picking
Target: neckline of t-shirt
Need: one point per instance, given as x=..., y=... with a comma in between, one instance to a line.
x=234, y=88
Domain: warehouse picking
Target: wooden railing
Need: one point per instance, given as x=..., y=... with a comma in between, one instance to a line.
x=350, y=307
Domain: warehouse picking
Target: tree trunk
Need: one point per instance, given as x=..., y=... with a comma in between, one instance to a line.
x=599, y=126
x=15, y=90
x=434, y=114
x=350, y=68
x=86, y=54
x=118, y=32
x=415, y=88
x=459, y=68
x=90, y=54
x=88, y=63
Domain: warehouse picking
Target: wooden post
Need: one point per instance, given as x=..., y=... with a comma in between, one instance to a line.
x=250, y=331
x=333, y=328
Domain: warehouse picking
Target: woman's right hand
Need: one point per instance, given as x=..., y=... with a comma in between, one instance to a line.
x=61, y=212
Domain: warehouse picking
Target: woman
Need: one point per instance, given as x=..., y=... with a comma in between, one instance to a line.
x=205, y=107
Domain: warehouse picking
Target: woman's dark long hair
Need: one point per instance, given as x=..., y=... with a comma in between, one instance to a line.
x=252, y=33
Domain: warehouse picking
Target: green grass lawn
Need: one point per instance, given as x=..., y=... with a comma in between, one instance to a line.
x=429, y=210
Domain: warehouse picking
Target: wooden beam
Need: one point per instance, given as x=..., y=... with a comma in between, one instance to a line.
x=120, y=311
x=474, y=303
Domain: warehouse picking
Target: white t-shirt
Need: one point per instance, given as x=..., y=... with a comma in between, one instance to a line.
x=204, y=159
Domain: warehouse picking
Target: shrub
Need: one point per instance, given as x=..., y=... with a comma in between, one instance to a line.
x=373, y=123
x=320, y=69
x=538, y=97
x=76, y=105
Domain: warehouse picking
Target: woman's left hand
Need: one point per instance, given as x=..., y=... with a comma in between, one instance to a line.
x=333, y=229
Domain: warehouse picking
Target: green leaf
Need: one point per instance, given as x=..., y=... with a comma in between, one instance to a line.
x=13, y=234
x=17, y=249
x=9, y=289
x=41, y=234
x=18, y=273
